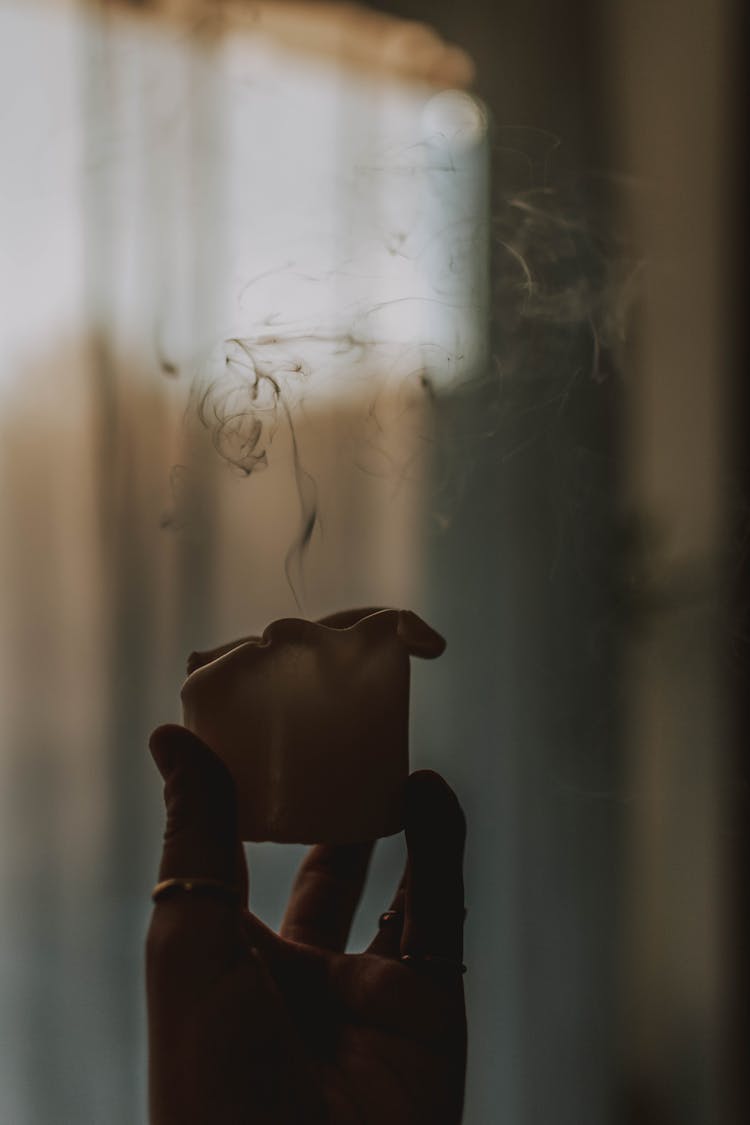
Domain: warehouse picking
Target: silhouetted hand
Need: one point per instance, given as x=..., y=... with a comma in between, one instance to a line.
x=250, y=1027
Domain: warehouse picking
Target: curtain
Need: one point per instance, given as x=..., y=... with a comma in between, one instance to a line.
x=224, y=251
x=291, y=322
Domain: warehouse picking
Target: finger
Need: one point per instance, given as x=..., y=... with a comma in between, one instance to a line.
x=434, y=901
x=325, y=895
x=200, y=839
x=387, y=941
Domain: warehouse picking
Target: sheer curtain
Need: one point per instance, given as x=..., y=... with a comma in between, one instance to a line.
x=223, y=251
x=245, y=372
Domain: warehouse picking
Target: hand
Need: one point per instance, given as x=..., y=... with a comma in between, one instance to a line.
x=250, y=1027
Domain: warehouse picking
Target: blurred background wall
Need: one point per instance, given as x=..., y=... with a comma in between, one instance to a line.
x=502, y=327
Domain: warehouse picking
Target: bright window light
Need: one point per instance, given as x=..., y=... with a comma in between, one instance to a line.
x=180, y=189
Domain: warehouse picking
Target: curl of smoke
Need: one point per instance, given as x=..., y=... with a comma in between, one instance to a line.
x=565, y=282
x=563, y=285
x=239, y=406
x=563, y=269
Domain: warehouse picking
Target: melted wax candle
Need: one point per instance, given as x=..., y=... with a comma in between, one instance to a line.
x=312, y=721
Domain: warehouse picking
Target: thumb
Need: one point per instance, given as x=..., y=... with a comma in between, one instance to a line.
x=435, y=837
x=200, y=839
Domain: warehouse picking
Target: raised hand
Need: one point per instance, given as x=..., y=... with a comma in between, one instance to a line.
x=250, y=1027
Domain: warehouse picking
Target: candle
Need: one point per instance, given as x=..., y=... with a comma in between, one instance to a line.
x=312, y=721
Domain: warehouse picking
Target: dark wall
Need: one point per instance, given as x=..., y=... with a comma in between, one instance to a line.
x=526, y=532
x=539, y=64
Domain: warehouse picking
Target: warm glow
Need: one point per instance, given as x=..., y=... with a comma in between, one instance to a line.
x=328, y=201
